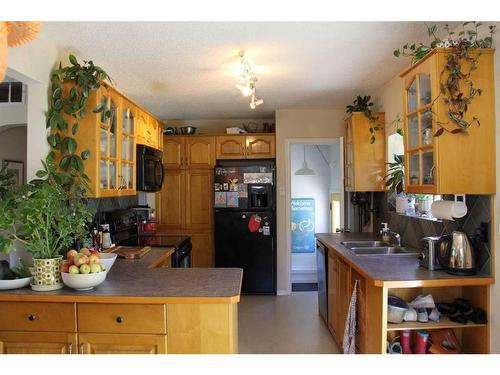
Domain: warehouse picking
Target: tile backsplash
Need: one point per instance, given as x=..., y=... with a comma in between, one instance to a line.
x=114, y=203
x=413, y=229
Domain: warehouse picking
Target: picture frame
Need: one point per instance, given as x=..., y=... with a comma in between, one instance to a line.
x=16, y=167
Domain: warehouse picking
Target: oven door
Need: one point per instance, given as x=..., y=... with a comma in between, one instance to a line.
x=181, y=258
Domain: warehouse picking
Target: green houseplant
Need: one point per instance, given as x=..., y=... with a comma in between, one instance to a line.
x=394, y=179
x=46, y=219
x=363, y=104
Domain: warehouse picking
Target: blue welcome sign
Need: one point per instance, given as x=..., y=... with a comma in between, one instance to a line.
x=303, y=225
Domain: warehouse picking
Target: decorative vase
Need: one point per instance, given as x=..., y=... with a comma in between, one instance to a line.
x=424, y=205
x=47, y=275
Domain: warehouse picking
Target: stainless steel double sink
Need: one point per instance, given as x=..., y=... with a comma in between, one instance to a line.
x=376, y=248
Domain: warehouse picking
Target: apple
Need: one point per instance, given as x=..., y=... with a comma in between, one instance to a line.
x=81, y=259
x=65, y=267
x=85, y=251
x=95, y=268
x=84, y=268
x=74, y=269
x=93, y=258
x=71, y=254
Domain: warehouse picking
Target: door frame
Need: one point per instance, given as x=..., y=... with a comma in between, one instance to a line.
x=288, y=197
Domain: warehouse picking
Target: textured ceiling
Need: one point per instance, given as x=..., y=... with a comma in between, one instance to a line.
x=180, y=70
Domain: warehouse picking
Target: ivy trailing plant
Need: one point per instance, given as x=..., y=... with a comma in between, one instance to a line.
x=455, y=84
x=71, y=87
x=363, y=104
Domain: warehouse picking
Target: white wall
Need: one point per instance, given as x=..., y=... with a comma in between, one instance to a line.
x=13, y=113
x=296, y=124
x=388, y=98
x=13, y=144
x=31, y=63
x=317, y=187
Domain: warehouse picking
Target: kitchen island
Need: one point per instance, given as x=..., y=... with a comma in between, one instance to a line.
x=141, y=307
x=379, y=276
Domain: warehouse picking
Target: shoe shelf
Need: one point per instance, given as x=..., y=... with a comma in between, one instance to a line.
x=445, y=322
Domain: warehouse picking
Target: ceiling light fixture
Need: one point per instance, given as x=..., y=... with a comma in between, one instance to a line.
x=247, y=82
x=305, y=170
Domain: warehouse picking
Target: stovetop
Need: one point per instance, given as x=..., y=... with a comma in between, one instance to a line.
x=158, y=240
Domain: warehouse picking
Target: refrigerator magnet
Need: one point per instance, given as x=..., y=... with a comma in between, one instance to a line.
x=220, y=199
x=217, y=187
x=225, y=186
x=232, y=199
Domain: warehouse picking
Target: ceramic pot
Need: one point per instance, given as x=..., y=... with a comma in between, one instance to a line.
x=47, y=274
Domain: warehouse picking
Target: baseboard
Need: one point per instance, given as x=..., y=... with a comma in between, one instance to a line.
x=282, y=293
x=304, y=276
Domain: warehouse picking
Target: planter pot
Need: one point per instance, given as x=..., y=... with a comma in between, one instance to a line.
x=404, y=204
x=47, y=275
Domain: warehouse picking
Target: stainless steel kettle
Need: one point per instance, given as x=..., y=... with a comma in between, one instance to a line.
x=456, y=254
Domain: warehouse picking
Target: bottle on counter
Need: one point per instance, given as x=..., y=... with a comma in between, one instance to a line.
x=106, y=237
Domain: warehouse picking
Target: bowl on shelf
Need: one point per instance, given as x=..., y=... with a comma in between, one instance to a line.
x=80, y=281
x=396, y=309
x=15, y=283
x=188, y=130
x=108, y=259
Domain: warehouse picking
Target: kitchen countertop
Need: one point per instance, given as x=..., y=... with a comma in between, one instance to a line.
x=394, y=270
x=137, y=281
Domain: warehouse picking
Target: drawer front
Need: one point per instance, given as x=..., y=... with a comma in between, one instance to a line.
x=37, y=316
x=121, y=318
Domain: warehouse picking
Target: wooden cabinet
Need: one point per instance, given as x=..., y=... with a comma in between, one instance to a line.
x=148, y=130
x=332, y=291
x=230, y=147
x=343, y=297
x=99, y=343
x=173, y=152
x=256, y=146
x=260, y=147
x=170, y=203
x=450, y=163
x=111, y=136
x=38, y=343
x=199, y=199
x=202, y=254
x=364, y=161
x=188, y=152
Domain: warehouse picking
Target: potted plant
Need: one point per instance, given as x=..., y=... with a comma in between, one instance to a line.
x=423, y=203
x=46, y=219
x=364, y=105
x=394, y=180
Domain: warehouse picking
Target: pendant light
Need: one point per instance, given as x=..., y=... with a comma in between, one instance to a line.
x=305, y=170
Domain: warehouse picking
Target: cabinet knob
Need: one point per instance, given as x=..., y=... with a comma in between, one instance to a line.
x=31, y=317
x=119, y=319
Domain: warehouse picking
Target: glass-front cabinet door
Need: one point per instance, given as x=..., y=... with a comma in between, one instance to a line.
x=108, y=143
x=419, y=145
x=127, y=150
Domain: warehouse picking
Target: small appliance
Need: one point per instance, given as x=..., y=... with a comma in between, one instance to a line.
x=428, y=258
x=149, y=169
x=457, y=254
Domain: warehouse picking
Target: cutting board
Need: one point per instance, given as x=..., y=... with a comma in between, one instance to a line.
x=131, y=252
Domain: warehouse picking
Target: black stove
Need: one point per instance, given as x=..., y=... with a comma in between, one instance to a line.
x=124, y=230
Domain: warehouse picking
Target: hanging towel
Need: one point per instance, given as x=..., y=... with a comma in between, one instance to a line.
x=349, y=344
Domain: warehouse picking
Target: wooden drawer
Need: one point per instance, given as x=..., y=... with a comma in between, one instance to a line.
x=121, y=318
x=41, y=317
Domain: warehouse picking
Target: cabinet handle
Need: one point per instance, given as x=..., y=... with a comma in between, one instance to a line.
x=31, y=317
x=119, y=319
x=81, y=348
x=70, y=348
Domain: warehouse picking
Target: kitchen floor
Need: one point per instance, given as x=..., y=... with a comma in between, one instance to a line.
x=283, y=324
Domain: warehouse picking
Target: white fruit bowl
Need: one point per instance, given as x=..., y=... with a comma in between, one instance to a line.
x=108, y=259
x=80, y=281
x=15, y=284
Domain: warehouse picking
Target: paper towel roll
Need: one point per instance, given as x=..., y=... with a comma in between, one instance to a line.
x=448, y=210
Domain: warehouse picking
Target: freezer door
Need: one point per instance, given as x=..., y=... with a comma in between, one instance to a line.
x=242, y=242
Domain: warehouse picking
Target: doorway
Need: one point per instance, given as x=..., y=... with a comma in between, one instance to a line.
x=315, y=204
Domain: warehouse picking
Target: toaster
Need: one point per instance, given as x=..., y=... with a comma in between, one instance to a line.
x=429, y=255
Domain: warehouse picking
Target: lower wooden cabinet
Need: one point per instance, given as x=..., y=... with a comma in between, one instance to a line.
x=38, y=343
x=332, y=291
x=108, y=343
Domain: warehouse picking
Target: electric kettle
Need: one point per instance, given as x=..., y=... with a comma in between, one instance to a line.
x=456, y=254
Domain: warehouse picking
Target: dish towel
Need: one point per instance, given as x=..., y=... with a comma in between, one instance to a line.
x=349, y=344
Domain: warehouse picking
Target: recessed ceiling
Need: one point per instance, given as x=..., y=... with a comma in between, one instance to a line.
x=188, y=70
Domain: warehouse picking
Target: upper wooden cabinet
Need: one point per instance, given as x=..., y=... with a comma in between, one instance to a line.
x=255, y=146
x=148, y=130
x=449, y=163
x=111, y=140
x=181, y=152
x=364, y=162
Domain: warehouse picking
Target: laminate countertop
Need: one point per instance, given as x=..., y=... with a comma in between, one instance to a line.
x=394, y=270
x=145, y=281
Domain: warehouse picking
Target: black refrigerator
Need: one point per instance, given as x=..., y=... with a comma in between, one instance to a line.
x=245, y=221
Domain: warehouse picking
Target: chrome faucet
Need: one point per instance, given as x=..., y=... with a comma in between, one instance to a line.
x=385, y=231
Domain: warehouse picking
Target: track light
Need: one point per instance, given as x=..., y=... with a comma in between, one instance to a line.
x=247, y=82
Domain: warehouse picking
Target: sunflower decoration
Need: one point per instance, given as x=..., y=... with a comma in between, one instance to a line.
x=13, y=34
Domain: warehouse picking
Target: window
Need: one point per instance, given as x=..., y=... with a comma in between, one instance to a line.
x=11, y=92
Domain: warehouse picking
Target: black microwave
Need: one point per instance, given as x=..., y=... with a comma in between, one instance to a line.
x=149, y=169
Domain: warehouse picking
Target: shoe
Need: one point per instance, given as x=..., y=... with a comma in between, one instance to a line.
x=434, y=315
x=423, y=301
x=446, y=308
x=462, y=304
x=405, y=341
x=410, y=315
x=458, y=317
x=478, y=316
x=443, y=341
x=421, y=339
x=422, y=315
